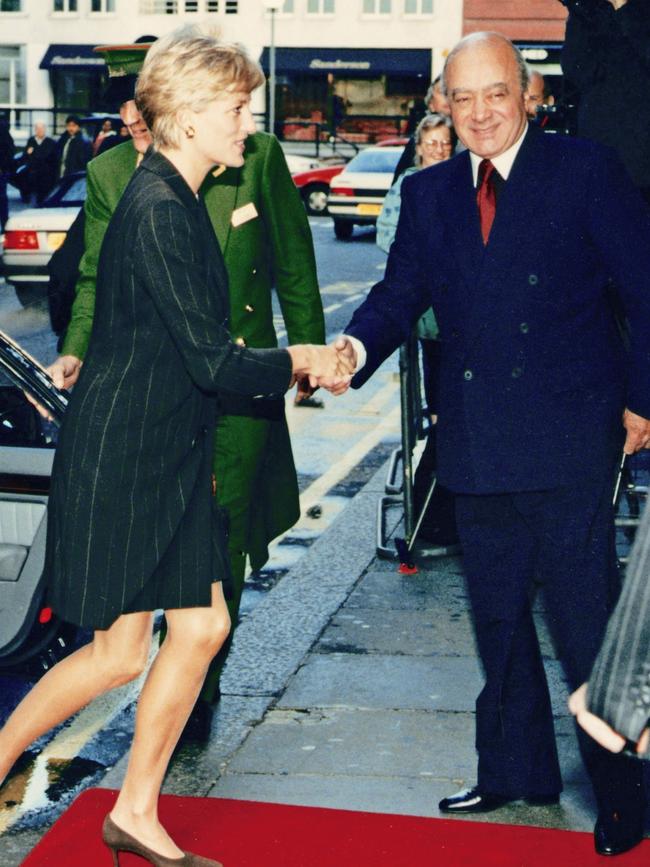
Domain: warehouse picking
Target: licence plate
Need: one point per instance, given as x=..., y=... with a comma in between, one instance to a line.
x=55, y=239
x=369, y=210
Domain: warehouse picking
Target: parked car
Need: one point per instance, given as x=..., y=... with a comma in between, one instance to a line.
x=314, y=186
x=32, y=235
x=357, y=194
x=32, y=639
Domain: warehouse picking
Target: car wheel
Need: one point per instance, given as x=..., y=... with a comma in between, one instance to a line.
x=28, y=293
x=315, y=199
x=343, y=229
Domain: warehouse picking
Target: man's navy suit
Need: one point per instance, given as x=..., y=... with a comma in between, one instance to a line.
x=533, y=383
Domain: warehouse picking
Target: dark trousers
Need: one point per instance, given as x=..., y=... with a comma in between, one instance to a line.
x=4, y=201
x=562, y=539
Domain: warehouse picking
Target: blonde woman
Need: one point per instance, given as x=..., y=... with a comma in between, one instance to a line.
x=131, y=504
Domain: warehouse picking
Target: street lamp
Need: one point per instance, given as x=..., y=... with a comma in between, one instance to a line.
x=272, y=6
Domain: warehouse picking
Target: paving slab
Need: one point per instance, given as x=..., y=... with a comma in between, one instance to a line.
x=401, y=795
x=384, y=681
x=355, y=742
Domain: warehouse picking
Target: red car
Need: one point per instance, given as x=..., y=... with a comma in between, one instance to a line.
x=314, y=186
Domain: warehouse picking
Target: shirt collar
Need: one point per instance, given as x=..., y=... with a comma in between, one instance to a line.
x=503, y=163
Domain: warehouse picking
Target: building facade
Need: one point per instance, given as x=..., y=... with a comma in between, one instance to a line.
x=334, y=59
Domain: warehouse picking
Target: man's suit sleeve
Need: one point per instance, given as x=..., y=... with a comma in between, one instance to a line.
x=97, y=216
x=292, y=251
x=620, y=227
x=385, y=319
x=165, y=256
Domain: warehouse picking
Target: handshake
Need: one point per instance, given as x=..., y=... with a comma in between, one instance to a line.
x=330, y=367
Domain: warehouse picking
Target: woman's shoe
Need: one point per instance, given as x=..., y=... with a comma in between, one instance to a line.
x=118, y=841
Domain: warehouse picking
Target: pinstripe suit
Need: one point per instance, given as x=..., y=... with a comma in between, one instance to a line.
x=619, y=686
x=131, y=506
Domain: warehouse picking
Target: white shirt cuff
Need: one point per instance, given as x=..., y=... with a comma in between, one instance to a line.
x=360, y=350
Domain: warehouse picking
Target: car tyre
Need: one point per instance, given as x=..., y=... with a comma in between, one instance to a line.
x=343, y=229
x=315, y=198
x=28, y=293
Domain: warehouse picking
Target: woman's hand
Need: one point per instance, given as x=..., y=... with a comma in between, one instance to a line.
x=597, y=728
x=323, y=365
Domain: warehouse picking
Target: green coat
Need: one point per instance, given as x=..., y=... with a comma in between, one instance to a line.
x=264, y=234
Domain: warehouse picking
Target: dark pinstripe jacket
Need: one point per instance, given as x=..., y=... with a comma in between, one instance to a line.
x=619, y=686
x=131, y=505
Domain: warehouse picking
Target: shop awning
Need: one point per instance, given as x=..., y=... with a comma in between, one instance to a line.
x=349, y=62
x=71, y=57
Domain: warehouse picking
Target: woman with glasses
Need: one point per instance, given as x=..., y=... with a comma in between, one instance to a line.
x=435, y=141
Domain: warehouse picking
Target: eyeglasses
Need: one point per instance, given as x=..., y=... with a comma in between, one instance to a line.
x=435, y=144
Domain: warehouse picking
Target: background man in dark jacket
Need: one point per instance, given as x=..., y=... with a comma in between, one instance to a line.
x=40, y=158
x=6, y=167
x=74, y=148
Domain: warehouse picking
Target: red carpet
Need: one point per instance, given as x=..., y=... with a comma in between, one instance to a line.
x=253, y=834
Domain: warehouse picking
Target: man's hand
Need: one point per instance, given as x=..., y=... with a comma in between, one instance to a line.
x=638, y=432
x=65, y=371
x=598, y=728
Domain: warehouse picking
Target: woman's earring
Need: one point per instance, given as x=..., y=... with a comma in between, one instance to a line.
x=190, y=132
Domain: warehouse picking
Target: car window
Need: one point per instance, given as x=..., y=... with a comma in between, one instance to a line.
x=384, y=160
x=75, y=194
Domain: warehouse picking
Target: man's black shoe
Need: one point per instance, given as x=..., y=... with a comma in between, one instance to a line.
x=199, y=725
x=618, y=831
x=476, y=801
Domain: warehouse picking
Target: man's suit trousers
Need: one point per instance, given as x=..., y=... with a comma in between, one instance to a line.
x=563, y=540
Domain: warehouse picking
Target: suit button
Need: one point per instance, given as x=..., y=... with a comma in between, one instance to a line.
x=516, y=372
x=524, y=328
x=468, y=375
x=249, y=308
x=454, y=333
x=533, y=279
x=240, y=341
x=254, y=271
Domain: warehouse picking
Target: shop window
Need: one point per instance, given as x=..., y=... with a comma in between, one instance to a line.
x=105, y=7
x=12, y=72
x=158, y=7
x=65, y=6
x=377, y=7
x=418, y=7
x=11, y=6
x=320, y=7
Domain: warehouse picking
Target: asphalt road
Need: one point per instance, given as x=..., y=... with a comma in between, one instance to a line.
x=336, y=450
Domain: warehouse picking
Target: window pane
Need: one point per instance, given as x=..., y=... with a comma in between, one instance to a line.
x=10, y=5
x=191, y=5
x=368, y=7
x=288, y=7
x=72, y=5
x=384, y=7
x=212, y=6
x=410, y=7
x=328, y=6
x=312, y=7
x=381, y=160
x=11, y=69
x=427, y=7
x=231, y=7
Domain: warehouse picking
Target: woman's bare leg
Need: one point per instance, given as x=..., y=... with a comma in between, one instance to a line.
x=173, y=684
x=114, y=657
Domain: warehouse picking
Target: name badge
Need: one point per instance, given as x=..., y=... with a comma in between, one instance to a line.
x=243, y=214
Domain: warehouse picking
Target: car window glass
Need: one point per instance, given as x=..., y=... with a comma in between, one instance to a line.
x=380, y=160
x=20, y=423
x=75, y=194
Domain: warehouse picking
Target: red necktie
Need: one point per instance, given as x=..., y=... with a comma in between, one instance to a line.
x=486, y=198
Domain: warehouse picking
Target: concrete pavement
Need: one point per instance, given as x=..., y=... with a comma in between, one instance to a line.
x=353, y=686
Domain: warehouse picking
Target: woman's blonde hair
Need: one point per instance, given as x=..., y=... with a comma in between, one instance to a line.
x=187, y=70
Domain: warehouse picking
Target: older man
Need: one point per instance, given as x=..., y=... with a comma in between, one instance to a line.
x=534, y=386
x=536, y=94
